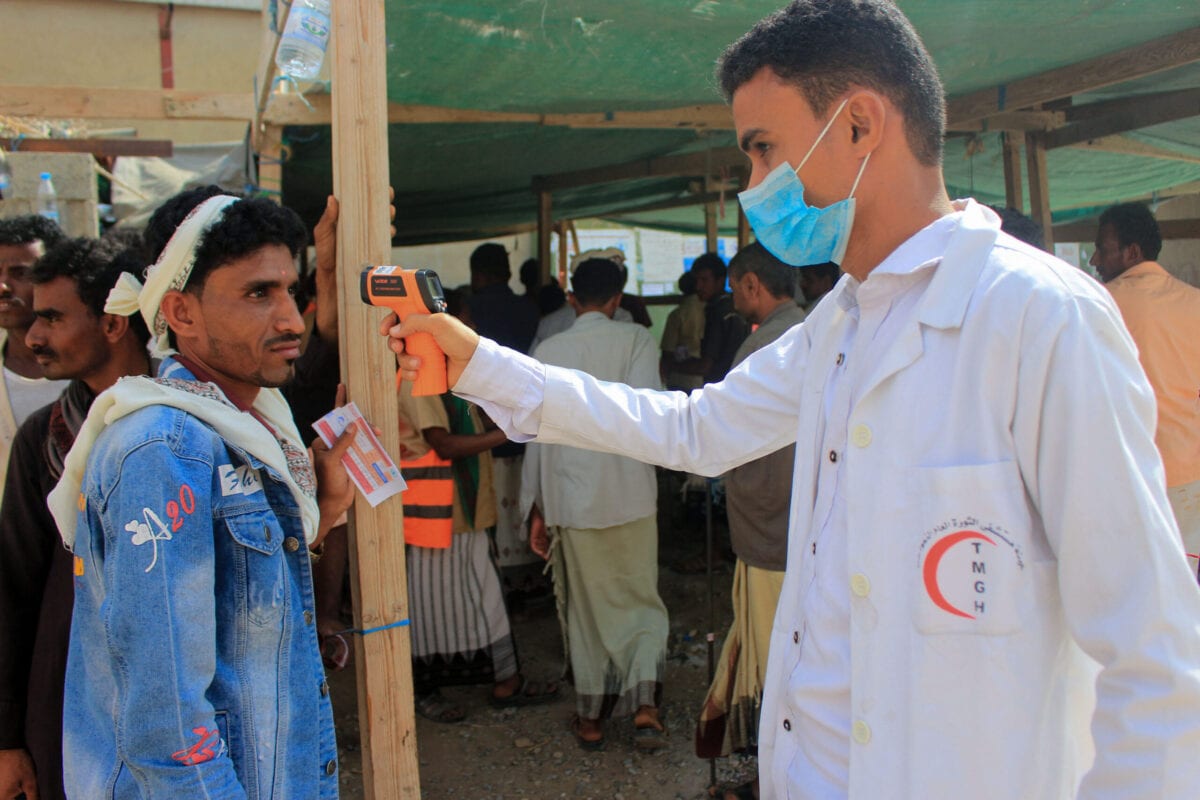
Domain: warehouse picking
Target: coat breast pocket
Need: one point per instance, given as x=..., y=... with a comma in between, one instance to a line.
x=264, y=585
x=972, y=562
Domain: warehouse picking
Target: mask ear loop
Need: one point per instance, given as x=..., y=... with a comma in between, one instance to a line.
x=861, y=170
x=821, y=136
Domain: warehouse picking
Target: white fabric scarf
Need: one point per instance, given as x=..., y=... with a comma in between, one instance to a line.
x=239, y=428
x=169, y=273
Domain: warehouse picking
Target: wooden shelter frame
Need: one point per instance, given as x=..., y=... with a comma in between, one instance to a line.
x=1034, y=113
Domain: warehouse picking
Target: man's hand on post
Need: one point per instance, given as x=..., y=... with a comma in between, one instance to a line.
x=457, y=341
x=17, y=775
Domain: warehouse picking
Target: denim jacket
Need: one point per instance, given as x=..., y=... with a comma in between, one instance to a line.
x=194, y=668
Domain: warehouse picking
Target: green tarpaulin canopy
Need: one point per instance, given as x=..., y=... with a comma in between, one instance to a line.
x=466, y=180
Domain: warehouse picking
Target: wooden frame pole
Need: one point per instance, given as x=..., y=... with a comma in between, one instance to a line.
x=1039, y=186
x=545, y=229
x=1013, y=196
x=710, y=227
x=360, y=177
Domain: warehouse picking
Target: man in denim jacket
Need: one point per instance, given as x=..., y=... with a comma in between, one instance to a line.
x=190, y=505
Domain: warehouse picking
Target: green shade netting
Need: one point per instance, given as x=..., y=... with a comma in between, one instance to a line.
x=457, y=181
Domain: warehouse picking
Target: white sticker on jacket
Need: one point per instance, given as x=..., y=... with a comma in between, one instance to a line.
x=239, y=480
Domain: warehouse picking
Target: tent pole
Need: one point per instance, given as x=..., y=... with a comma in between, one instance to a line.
x=545, y=231
x=1013, y=196
x=710, y=227
x=382, y=659
x=1039, y=186
x=562, y=249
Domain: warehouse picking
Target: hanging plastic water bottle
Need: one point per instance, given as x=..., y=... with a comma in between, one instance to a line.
x=302, y=47
x=47, y=198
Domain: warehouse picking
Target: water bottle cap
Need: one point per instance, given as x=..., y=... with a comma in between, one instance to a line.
x=45, y=176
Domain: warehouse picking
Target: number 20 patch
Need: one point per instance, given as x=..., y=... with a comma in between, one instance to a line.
x=239, y=480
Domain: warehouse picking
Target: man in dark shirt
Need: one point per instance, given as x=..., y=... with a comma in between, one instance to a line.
x=74, y=339
x=724, y=328
x=498, y=312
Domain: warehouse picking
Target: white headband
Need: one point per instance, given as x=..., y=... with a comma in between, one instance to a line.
x=169, y=273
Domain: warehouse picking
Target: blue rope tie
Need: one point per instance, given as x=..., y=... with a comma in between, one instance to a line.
x=404, y=623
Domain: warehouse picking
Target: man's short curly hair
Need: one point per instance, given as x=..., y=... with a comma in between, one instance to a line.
x=29, y=228
x=244, y=228
x=93, y=265
x=1134, y=223
x=824, y=47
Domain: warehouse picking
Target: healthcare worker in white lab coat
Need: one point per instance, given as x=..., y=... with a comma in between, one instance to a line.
x=985, y=594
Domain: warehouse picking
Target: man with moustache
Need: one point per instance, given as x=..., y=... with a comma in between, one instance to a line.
x=72, y=339
x=190, y=506
x=986, y=595
x=24, y=390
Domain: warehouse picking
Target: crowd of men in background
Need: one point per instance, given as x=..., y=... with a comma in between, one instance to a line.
x=64, y=343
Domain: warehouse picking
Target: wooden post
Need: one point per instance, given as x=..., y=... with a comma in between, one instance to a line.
x=360, y=179
x=270, y=162
x=1013, y=196
x=544, y=231
x=1039, y=186
x=562, y=250
x=743, y=234
x=710, y=227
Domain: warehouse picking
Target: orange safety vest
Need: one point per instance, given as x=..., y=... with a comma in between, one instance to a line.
x=428, y=501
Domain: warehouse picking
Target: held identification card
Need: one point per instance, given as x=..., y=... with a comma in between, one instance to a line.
x=369, y=465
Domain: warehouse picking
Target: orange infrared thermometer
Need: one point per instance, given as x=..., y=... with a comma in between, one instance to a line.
x=411, y=291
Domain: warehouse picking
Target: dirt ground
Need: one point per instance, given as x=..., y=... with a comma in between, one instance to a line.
x=529, y=753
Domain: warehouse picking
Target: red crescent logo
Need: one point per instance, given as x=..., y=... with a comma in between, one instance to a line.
x=933, y=560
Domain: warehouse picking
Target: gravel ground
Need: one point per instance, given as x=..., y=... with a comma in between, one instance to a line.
x=529, y=753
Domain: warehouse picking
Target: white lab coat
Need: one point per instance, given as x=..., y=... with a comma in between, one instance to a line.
x=1012, y=408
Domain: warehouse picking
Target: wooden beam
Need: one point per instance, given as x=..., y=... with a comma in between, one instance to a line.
x=711, y=232
x=1013, y=196
x=270, y=161
x=274, y=17
x=1011, y=121
x=1039, y=186
x=76, y=102
x=663, y=205
x=545, y=226
x=562, y=253
x=743, y=228
x=289, y=109
x=1167, y=52
x=1133, y=113
x=698, y=164
x=1132, y=147
x=1169, y=228
x=383, y=660
x=163, y=148
x=699, y=117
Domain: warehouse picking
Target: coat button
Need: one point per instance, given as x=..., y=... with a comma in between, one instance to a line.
x=796, y=637
x=862, y=732
x=787, y=725
x=861, y=436
x=860, y=585
x=308, y=618
x=841, y=359
x=833, y=456
x=331, y=767
x=324, y=688
x=291, y=544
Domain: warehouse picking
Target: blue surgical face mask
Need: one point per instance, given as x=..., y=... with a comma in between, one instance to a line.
x=793, y=231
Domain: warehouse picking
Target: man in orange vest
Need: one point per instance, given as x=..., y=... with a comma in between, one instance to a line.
x=460, y=628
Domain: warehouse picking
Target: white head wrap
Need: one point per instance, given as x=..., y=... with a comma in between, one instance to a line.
x=169, y=273
x=614, y=254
